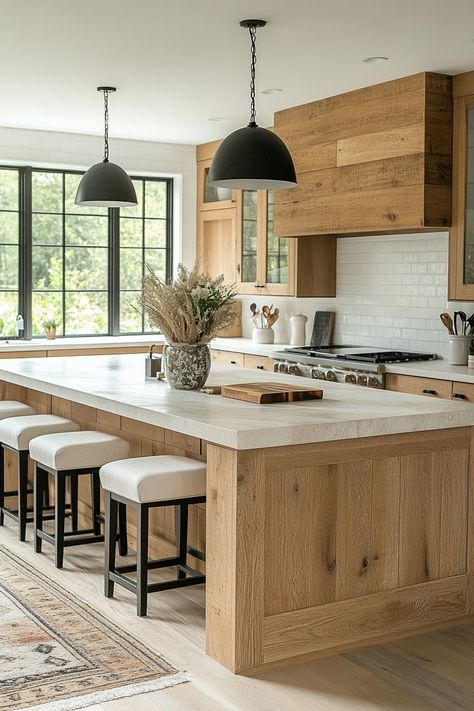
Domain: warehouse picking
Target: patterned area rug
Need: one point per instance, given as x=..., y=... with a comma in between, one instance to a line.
x=58, y=654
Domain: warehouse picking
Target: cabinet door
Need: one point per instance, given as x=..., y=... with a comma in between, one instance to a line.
x=461, y=256
x=414, y=385
x=265, y=263
x=216, y=240
x=210, y=198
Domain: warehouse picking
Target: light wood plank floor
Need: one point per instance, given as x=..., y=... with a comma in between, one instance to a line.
x=422, y=673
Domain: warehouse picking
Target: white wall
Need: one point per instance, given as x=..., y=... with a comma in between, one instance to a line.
x=390, y=292
x=74, y=150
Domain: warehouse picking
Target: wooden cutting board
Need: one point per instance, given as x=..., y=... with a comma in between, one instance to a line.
x=264, y=393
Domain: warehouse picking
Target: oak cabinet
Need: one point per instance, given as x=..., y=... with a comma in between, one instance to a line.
x=461, y=242
x=370, y=161
x=235, y=237
x=414, y=385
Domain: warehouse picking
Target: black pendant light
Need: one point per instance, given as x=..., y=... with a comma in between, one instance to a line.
x=106, y=184
x=252, y=158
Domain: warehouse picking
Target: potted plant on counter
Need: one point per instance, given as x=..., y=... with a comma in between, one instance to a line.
x=50, y=326
x=189, y=312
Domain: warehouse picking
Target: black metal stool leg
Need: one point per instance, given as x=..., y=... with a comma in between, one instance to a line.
x=111, y=506
x=40, y=482
x=60, y=510
x=181, y=536
x=95, y=495
x=22, y=493
x=142, y=559
x=74, y=488
x=2, y=483
x=122, y=529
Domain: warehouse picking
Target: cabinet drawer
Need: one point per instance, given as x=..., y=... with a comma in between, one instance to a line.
x=259, y=362
x=463, y=392
x=418, y=386
x=228, y=358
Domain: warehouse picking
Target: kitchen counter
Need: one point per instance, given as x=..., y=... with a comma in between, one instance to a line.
x=329, y=524
x=42, y=344
x=118, y=386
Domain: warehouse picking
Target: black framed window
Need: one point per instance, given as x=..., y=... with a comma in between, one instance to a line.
x=81, y=267
x=10, y=236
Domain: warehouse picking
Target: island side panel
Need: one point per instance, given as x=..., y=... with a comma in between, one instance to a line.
x=346, y=558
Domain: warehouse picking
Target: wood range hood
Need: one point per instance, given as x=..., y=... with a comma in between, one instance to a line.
x=372, y=161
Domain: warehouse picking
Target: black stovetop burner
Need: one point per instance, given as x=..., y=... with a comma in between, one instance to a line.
x=391, y=357
x=360, y=354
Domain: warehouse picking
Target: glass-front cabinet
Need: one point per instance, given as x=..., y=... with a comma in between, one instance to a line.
x=263, y=259
x=209, y=197
x=461, y=250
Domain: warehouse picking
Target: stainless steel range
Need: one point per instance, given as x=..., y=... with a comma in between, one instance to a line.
x=343, y=364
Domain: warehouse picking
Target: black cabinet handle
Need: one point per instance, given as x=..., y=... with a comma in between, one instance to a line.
x=426, y=391
x=233, y=362
x=260, y=367
x=459, y=396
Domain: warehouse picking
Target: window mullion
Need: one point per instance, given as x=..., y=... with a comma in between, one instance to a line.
x=114, y=271
x=25, y=250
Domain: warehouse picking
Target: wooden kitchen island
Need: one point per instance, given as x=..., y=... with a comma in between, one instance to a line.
x=330, y=524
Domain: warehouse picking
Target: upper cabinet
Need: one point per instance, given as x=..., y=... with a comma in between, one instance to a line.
x=373, y=160
x=235, y=237
x=461, y=243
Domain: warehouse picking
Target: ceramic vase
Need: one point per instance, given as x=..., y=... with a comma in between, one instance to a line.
x=186, y=365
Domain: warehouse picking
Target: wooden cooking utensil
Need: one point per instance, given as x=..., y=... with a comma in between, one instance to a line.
x=447, y=322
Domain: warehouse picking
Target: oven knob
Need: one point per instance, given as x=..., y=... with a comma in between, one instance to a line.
x=318, y=374
x=331, y=375
x=294, y=369
x=350, y=378
x=373, y=382
x=276, y=367
x=283, y=368
x=361, y=380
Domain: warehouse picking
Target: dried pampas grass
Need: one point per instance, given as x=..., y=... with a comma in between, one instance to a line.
x=192, y=309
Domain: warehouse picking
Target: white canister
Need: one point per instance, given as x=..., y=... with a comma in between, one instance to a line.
x=263, y=335
x=298, y=330
x=458, y=349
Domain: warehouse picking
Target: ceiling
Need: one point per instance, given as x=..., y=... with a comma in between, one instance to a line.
x=179, y=63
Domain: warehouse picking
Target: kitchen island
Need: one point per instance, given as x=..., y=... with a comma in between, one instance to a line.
x=329, y=524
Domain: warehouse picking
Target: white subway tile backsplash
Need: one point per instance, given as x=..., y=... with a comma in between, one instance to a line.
x=391, y=290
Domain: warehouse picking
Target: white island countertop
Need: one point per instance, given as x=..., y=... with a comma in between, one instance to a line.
x=117, y=384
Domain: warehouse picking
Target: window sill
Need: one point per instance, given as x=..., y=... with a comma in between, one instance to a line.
x=43, y=344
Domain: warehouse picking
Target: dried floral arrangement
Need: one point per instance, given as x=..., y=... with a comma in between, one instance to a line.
x=192, y=309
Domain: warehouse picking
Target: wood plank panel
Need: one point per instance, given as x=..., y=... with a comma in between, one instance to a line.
x=344, y=624
x=300, y=538
x=453, y=469
x=367, y=147
x=356, y=212
x=234, y=593
x=382, y=447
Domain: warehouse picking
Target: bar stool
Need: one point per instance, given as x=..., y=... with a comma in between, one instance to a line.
x=69, y=455
x=16, y=434
x=146, y=483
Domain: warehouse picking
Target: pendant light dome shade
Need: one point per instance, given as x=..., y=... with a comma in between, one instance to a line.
x=252, y=158
x=106, y=185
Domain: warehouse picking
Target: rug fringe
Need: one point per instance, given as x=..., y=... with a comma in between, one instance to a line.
x=119, y=692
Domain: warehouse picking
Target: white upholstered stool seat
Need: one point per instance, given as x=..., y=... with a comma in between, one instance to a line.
x=12, y=408
x=157, y=478
x=77, y=450
x=17, y=432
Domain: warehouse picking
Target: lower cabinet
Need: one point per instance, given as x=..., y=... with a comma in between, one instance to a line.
x=227, y=358
x=258, y=362
x=418, y=386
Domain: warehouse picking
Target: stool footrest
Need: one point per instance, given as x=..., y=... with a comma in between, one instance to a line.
x=71, y=541
x=151, y=565
x=195, y=579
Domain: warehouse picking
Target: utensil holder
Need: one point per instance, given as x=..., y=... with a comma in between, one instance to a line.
x=458, y=349
x=263, y=335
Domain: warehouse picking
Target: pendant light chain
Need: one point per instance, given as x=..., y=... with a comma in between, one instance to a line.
x=106, y=126
x=253, y=43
